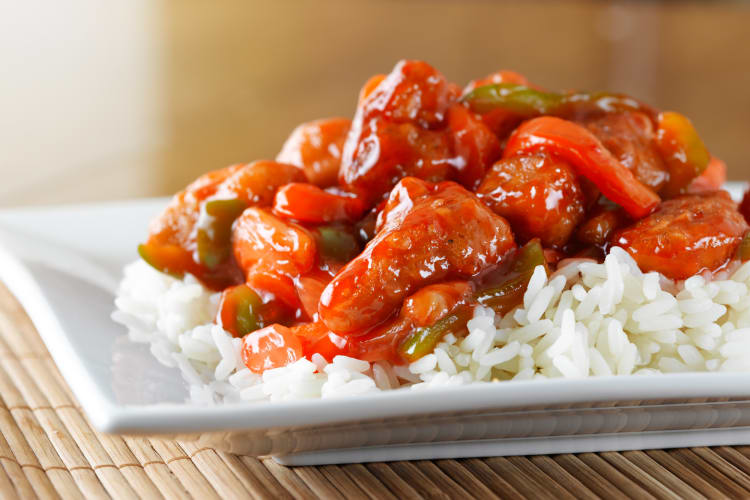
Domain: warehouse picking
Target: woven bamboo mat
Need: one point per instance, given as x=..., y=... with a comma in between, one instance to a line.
x=48, y=449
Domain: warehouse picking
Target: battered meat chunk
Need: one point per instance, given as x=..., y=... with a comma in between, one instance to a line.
x=428, y=233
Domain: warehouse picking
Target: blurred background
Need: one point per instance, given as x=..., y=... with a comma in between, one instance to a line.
x=127, y=98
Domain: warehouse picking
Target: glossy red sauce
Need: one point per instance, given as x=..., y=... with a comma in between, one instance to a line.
x=363, y=232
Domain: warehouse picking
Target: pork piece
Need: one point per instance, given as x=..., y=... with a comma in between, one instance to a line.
x=389, y=151
x=316, y=147
x=272, y=253
x=630, y=138
x=476, y=147
x=427, y=233
x=414, y=92
x=539, y=195
x=172, y=244
x=261, y=239
x=395, y=130
x=686, y=235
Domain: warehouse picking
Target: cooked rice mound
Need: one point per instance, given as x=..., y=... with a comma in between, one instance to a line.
x=586, y=319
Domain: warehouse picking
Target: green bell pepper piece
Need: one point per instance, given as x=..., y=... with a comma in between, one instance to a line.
x=214, y=236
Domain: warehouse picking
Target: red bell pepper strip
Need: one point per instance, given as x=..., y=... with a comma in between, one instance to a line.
x=308, y=203
x=589, y=158
x=711, y=179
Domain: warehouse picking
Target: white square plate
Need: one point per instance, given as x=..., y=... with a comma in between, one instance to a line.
x=63, y=264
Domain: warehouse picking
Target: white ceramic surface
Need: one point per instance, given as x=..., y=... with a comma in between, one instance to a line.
x=63, y=264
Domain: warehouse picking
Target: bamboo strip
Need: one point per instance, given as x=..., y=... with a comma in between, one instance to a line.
x=464, y=477
x=342, y=482
x=93, y=475
x=531, y=470
x=54, y=390
x=441, y=479
x=8, y=301
x=7, y=490
x=264, y=476
x=155, y=468
x=19, y=335
x=291, y=481
x=317, y=482
x=215, y=471
x=562, y=477
x=125, y=461
x=60, y=438
x=122, y=476
x=55, y=372
x=251, y=483
x=620, y=481
x=18, y=483
x=652, y=480
x=367, y=481
x=716, y=458
x=494, y=482
x=588, y=476
x=709, y=473
x=734, y=457
x=35, y=455
x=12, y=468
x=417, y=479
x=686, y=474
x=393, y=481
x=527, y=485
x=184, y=469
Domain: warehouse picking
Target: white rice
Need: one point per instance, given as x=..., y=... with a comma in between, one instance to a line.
x=588, y=319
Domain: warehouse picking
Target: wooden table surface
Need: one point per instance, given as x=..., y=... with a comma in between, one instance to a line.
x=48, y=449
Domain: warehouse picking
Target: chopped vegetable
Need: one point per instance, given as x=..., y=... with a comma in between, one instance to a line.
x=308, y=203
x=528, y=102
x=336, y=242
x=424, y=339
x=242, y=310
x=169, y=259
x=239, y=310
x=215, y=230
x=713, y=178
x=508, y=294
x=682, y=149
x=585, y=153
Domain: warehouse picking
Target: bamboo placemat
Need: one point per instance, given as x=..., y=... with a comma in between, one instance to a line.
x=48, y=449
